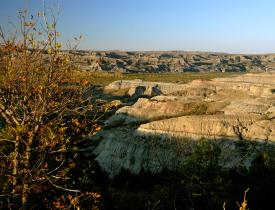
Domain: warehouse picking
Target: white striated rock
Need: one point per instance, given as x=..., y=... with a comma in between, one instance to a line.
x=206, y=126
x=145, y=110
x=155, y=133
x=271, y=112
x=246, y=106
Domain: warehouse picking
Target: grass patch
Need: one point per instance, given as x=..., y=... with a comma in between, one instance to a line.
x=105, y=78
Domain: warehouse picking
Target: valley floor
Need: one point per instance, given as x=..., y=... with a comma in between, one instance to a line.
x=105, y=78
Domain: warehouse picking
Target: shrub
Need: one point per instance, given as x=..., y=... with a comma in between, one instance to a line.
x=42, y=110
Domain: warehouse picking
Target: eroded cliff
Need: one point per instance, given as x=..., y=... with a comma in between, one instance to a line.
x=161, y=128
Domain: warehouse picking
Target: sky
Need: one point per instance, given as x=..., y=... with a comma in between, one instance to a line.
x=232, y=26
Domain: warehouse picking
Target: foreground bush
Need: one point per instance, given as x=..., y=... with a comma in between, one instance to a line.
x=42, y=116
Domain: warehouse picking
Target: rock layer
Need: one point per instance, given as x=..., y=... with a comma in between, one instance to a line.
x=150, y=134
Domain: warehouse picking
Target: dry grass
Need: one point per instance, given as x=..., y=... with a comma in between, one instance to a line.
x=104, y=78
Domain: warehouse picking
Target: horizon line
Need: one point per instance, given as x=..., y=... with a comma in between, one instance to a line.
x=179, y=51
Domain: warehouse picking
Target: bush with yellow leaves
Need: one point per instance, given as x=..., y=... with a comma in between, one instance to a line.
x=39, y=108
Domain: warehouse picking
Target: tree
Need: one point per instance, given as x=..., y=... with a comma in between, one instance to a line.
x=41, y=107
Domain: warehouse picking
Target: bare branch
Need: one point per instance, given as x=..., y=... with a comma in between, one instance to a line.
x=62, y=188
x=8, y=140
x=56, y=168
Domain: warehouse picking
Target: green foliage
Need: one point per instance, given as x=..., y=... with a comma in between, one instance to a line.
x=261, y=177
x=205, y=157
x=200, y=184
x=201, y=175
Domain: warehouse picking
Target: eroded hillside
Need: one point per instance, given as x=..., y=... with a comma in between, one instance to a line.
x=173, y=61
x=159, y=129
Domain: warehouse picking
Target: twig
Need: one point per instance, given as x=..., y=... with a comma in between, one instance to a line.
x=56, y=168
x=223, y=206
x=62, y=188
x=8, y=195
x=8, y=140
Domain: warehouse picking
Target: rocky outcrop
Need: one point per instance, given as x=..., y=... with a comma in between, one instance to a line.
x=235, y=127
x=173, y=61
x=146, y=88
x=158, y=132
x=254, y=84
x=124, y=148
x=156, y=108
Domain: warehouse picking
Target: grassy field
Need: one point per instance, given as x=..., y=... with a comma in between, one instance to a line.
x=104, y=78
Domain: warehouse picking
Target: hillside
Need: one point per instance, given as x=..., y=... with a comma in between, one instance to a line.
x=173, y=61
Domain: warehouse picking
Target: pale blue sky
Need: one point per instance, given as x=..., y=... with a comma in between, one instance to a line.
x=236, y=26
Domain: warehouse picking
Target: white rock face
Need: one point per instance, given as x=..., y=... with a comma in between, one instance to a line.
x=271, y=112
x=254, y=84
x=159, y=132
x=165, y=88
x=122, y=148
x=160, y=107
x=233, y=127
x=258, y=79
x=247, y=106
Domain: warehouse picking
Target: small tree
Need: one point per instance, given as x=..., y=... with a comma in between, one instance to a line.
x=40, y=103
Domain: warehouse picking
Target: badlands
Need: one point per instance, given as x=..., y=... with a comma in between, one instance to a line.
x=158, y=130
x=172, y=61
